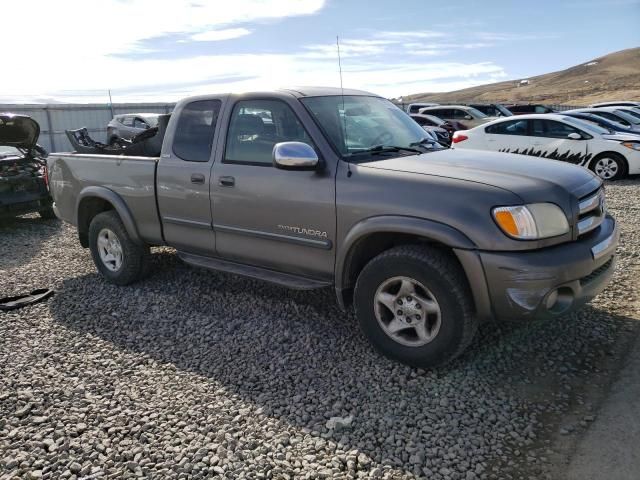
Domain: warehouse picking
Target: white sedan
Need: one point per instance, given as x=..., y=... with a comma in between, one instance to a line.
x=555, y=136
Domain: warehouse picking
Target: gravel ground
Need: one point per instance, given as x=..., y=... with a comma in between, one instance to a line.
x=194, y=374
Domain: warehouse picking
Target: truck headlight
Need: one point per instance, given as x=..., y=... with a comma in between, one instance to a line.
x=531, y=222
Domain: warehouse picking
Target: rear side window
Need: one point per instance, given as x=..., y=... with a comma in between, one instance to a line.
x=194, y=132
x=256, y=126
x=555, y=129
x=515, y=127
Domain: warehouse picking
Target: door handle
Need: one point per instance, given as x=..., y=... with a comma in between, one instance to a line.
x=227, y=181
x=197, y=178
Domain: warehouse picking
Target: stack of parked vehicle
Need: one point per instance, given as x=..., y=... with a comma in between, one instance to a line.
x=604, y=137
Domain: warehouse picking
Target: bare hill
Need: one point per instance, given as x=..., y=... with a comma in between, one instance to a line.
x=612, y=77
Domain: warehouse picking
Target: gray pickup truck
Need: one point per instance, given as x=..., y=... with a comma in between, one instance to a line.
x=318, y=187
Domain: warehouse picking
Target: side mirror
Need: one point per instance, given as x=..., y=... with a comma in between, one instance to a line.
x=294, y=156
x=468, y=117
x=574, y=136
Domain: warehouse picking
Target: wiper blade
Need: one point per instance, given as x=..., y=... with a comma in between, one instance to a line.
x=388, y=149
x=423, y=141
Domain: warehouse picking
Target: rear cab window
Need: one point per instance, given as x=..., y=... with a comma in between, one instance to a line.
x=194, y=132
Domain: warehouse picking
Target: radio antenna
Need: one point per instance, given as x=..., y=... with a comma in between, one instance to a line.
x=344, y=112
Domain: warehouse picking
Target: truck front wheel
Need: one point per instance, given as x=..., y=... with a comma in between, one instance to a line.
x=116, y=256
x=414, y=305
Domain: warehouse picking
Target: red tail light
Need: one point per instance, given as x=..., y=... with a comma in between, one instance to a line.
x=45, y=175
x=458, y=137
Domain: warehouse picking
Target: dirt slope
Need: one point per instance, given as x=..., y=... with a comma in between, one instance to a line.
x=612, y=77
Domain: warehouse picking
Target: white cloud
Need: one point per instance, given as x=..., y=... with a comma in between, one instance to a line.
x=217, y=35
x=69, y=56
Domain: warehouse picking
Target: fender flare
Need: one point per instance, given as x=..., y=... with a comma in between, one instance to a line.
x=119, y=206
x=429, y=229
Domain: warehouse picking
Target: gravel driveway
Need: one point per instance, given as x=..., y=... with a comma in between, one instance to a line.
x=194, y=374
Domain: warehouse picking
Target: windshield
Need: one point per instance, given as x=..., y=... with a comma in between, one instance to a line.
x=475, y=112
x=504, y=110
x=629, y=118
x=437, y=120
x=360, y=126
x=588, y=126
x=631, y=113
x=6, y=151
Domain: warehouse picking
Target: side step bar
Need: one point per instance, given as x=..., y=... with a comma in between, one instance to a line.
x=259, y=273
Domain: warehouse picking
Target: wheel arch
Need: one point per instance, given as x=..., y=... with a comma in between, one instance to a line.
x=94, y=200
x=374, y=235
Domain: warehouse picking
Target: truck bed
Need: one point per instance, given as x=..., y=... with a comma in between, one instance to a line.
x=132, y=178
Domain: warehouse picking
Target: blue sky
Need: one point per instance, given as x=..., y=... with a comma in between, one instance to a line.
x=146, y=50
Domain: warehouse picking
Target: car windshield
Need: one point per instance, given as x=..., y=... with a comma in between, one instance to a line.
x=631, y=113
x=6, y=151
x=588, y=126
x=504, y=110
x=437, y=120
x=360, y=127
x=475, y=112
x=628, y=117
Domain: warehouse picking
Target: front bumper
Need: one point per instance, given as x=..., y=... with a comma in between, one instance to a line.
x=552, y=281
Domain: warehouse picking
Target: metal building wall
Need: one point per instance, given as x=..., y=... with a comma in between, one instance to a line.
x=54, y=119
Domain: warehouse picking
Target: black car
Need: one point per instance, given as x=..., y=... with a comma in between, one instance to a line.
x=492, y=109
x=523, y=109
x=23, y=175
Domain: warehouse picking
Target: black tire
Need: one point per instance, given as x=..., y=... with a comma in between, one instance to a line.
x=135, y=258
x=619, y=160
x=47, y=213
x=446, y=283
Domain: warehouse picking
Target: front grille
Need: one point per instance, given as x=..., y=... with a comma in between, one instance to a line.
x=596, y=273
x=591, y=211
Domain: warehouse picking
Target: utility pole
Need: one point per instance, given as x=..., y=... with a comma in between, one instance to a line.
x=111, y=104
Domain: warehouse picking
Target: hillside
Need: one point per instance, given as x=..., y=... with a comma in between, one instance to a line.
x=612, y=77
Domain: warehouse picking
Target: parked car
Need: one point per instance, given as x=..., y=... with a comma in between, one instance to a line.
x=467, y=117
x=415, y=107
x=559, y=137
x=129, y=125
x=526, y=108
x=425, y=243
x=615, y=104
x=601, y=122
x=437, y=126
x=23, y=181
x=615, y=114
x=492, y=109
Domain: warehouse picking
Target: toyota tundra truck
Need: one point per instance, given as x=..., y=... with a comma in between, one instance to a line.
x=320, y=187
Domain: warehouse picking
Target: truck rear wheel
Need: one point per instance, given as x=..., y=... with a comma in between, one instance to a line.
x=116, y=256
x=414, y=305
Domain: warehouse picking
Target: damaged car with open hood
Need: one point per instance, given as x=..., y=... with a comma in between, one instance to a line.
x=23, y=169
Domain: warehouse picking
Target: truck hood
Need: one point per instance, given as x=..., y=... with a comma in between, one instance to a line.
x=18, y=131
x=520, y=174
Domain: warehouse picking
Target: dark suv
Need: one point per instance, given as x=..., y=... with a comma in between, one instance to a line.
x=23, y=176
x=523, y=109
x=492, y=109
